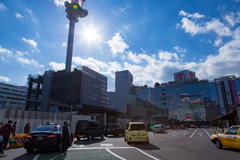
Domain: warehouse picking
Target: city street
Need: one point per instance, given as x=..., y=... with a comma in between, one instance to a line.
x=176, y=144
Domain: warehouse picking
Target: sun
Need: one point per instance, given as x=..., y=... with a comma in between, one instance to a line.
x=91, y=35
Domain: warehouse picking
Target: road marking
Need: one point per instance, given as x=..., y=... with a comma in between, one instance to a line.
x=178, y=133
x=107, y=145
x=194, y=132
x=171, y=133
x=146, y=154
x=101, y=148
x=115, y=154
x=206, y=132
x=185, y=133
x=36, y=157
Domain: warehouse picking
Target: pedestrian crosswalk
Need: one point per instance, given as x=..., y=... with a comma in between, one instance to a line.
x=188, y=132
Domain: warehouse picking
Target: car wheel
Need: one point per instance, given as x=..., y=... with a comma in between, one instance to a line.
x=128, y=141
x=124, y=138
x=78, y=139
x=116, y=134
x=89, y=137
x=58, y=147
x=218, y=144
x=102, y=136
x=147, y=142
x=105, y=135
x=29, y=150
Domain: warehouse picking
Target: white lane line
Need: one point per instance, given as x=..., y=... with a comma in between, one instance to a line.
x=146, y=154
x=178, y=133
x=115, y=154
x=36, y=157
x=171, y=133
x=206, y=132
x=185, y=133
x=55, y=157
x=194, y=132
x=100, y=148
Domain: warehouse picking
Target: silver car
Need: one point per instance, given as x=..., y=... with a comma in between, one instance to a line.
x=158, y=128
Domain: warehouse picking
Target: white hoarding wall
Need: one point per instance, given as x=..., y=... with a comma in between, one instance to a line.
x=220, y=96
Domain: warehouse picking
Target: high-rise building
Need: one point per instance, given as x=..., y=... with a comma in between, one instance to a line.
x=123, y=82
x=10, y=95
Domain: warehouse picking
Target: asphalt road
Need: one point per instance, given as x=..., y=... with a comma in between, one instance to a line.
x=176, y=144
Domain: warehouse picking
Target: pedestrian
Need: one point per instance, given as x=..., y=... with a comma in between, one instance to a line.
x=66, y=134
x=1, y=124
x=27, y=128
x=14, y=126
x=5, y=132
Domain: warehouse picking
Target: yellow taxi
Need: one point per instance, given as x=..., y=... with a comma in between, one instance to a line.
x=136, y=132
x=230, y=138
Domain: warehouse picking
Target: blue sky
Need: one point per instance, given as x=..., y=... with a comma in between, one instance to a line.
x=152, y=39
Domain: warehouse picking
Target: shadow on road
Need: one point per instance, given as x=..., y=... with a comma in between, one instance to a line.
x=27, y=155
x=86, y=142
x=111, y=136
x=145, y=146
x=231, y=149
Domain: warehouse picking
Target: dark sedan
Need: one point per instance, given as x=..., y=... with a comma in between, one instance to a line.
x=44, y=137
x=114, y=129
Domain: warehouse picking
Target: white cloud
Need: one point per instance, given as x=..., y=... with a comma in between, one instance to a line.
x=60, y=2
x=218, y=42
x=19, y=16
x=218, y=27
x=96, y=65
x=182, y=55
x=20, y=54
x=5, y=79
x=117, y=44
x=167, y=55
x=215, y=25
x=195, y=15
x=4, y=50
x=30, y=41
x=32, y=16
x=64, y=44
x=143, y=50
x=57, y=66
x=27, y=61
x=2, y=7
x=37, y=35
x=179, y=49
x=133, y=57
x=122, y=9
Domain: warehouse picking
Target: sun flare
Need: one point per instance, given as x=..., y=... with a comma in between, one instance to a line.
x=91, y=34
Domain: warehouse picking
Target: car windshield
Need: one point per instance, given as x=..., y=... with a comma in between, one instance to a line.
x=82, y=123
x=138, y=127
x=47, y=128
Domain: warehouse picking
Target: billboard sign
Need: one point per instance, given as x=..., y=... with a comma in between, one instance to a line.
x=191, y=75
x=220, y=96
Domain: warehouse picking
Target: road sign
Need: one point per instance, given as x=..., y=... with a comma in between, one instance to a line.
x=56, y=111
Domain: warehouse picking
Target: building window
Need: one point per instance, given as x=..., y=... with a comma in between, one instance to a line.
x=164, y=103
x=163, y=94
x=6, y=88
x=163, y=89
x=14, y=90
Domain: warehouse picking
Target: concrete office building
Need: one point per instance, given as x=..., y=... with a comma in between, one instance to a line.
x=80, y=88
x=9, y=94
x=190, y=99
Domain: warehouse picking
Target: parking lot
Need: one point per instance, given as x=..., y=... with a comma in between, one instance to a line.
x=175, y=144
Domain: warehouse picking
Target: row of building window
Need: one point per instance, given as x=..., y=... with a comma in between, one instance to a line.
x=8, y=89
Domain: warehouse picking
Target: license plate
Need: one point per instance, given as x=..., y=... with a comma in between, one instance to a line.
x=39, y=138
x=80, y=136
x=138, y=139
